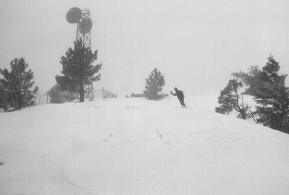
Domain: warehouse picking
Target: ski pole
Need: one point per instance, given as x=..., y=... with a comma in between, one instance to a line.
x=189, y=99
x=168, y=100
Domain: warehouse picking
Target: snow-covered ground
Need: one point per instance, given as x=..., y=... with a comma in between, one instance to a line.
x=134, y=146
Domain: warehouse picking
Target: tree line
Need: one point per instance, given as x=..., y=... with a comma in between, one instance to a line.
x=78, y=73
x=267, y=86
x=16, y=90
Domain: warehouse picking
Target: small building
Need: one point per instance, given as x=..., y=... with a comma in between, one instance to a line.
x=55, y=95
x=58, y=96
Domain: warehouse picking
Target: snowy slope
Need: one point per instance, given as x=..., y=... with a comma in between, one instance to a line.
x=135, y=146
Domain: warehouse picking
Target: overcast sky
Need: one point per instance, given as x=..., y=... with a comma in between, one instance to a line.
x=196, y=44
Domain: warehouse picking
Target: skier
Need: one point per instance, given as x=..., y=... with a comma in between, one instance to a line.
x=180, y=96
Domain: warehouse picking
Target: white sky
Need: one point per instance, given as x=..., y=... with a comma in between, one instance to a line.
x=195, y=44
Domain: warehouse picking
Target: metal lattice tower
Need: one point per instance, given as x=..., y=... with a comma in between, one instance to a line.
x=85, y=37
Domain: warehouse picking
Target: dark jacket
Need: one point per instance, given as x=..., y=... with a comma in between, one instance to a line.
x=179, y=94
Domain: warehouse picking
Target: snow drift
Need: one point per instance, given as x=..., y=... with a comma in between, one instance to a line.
x=135, y=146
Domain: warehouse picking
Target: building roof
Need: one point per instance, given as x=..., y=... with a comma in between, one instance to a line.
x=52, y=88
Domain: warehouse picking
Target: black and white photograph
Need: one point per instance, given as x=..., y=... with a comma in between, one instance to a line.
x=144, y=97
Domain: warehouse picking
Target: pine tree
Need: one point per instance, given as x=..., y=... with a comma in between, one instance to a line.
x=229, y=99
x=272, y=98
x=250, y=79
x=154, y=85
x=15, y=86
x=78, y=70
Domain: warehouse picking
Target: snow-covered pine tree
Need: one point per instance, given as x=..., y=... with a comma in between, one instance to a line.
x=15, y=86
x=78, y=70
x=230, y=99
x=154, y=85
x=272, y=98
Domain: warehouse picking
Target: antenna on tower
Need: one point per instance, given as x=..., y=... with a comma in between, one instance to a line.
x=84, y=24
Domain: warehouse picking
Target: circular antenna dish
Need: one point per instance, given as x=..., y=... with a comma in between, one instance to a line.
x=73, y=15
x=85, y=25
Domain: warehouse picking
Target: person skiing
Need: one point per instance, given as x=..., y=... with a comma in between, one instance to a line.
x=180, y=96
